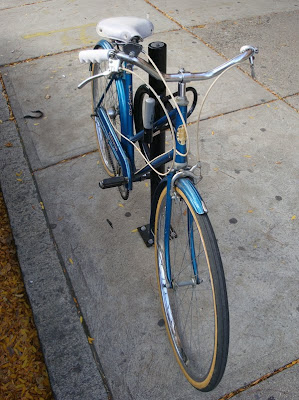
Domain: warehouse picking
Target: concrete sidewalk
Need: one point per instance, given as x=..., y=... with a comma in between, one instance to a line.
x=95, y=302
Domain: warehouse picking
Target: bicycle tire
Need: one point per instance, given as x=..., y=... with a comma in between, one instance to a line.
x=196, y=315
x=111, y=104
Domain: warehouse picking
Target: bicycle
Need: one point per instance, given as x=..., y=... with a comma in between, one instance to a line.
x=188, y=263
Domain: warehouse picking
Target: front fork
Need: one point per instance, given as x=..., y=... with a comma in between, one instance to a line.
x=185, y=180
x=181, y=162
x=167, y=227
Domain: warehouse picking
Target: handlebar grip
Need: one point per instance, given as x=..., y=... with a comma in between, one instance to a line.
x=254, y=50
x=94, y=56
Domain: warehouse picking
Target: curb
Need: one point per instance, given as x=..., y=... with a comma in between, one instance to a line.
x=73, y=366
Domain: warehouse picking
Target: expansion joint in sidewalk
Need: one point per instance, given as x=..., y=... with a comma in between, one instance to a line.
x=65, y=160
x=5, y=95
x=82, y=319
x=28, y=60
x=26, y=4
x=259, y=380
x=233, y=111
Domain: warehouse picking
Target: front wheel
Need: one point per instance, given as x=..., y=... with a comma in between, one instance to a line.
x=192, y=291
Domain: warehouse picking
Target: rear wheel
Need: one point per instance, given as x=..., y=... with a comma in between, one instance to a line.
x=105, y=94
x=194, y=299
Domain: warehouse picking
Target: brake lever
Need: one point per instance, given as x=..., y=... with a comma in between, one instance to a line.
x=251, y=61
x=91, y=78
x=255, y=50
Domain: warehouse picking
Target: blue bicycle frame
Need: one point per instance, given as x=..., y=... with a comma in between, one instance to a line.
x=123, y=151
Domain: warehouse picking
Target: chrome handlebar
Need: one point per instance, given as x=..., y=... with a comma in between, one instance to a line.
x=115, y=59
x=182, y=76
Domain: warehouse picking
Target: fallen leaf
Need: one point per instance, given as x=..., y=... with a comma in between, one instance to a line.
x=42, y=205
x=134, y=230
x=8, y=144
x=71, y=261
x=293, y=217
x=90, y=340
x=120, y=205
x=81, y=319
x=250, y=211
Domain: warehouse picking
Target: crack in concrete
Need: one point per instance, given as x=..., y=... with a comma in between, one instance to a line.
x=259, y=380
x=28, y=60
x=65, y=160
x=26, y=4
x=5, y=95
x=233, y=111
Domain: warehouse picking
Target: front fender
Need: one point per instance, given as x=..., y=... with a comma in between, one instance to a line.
x=190, y=191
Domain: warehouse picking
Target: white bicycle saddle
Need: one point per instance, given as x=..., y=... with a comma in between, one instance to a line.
x=124, y=29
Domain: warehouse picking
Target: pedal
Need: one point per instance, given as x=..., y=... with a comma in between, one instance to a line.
x=113, y=182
